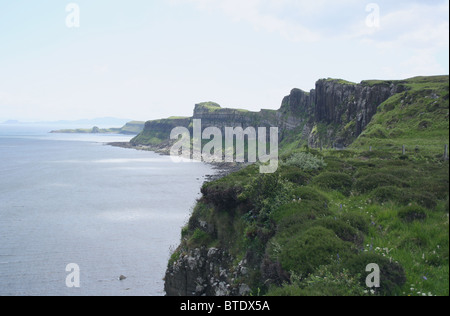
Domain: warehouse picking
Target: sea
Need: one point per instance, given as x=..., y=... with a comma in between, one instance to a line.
x=77, y=214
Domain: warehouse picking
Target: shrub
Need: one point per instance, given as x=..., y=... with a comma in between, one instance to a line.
x=308, y=208
x=376, y=180
x=223, y=195
x=334, y=181
x=332, y=281
x=295, y=175
x=313, y=203
x=412, y=213
x=424, y=199
x=404, y=196
x=199, y=238
x=437, y=183
x=357, y=221
x=392, y=275
x=324, y=282
x=343, y=230
x=317, y=246
x=311, y=194
x=387, y=194
x=267, y=192
x=305, y=161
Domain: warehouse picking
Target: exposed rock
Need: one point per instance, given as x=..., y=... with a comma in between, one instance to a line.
x=201, y=272
x=244, y=290
x=344, y=108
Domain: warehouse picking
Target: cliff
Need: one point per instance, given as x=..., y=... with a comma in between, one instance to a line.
x=314, y=226
x=157, y=132
x=334, y=113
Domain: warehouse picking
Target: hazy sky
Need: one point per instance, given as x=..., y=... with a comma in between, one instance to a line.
x=149, y=59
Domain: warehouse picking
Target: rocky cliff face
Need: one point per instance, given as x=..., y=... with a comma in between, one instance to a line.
x=203, y=271
x=335, y=112
x=212, y=115
x=340, y=103
x=342, y=110
x=158, y=131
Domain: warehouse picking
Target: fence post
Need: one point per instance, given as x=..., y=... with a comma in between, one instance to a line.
x=370, y=148
x=446, y=152
x=404, y=150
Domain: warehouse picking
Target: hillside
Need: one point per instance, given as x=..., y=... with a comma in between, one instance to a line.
x=313, y=226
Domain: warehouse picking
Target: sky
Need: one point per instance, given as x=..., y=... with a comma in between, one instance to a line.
x=151, y=59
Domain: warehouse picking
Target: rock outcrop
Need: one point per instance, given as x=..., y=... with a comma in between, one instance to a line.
x=335, y=112
x=205, y=272
x=340, y=103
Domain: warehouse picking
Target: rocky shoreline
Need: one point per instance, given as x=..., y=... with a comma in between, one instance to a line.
x=222, y=168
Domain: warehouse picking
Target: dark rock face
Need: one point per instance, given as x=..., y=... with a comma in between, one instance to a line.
x=166, y=126
x=203, y=272
x=334, y=103
x=299, y=103
x=341, y=103
x=223, y=117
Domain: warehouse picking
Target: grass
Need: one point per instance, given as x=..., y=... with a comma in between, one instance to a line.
x=313, y=226
x=214, y=107
x=419, y=244
x=416, y=118
x=341, y=81
x=326, y=226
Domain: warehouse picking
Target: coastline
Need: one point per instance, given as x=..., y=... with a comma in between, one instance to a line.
x=222, y=168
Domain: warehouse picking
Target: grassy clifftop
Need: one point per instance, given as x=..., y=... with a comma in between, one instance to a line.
x=313, y=226
x=417, y=118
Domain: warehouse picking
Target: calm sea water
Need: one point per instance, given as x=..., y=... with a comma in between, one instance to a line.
x=72, y=199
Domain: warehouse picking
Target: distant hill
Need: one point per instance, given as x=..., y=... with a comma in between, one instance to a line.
x=130, y=128
x=11, y=122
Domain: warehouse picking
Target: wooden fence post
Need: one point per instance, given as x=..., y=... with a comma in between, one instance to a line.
x=446, y=152
x=404, y=150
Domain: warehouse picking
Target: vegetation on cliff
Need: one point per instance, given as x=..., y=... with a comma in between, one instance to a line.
x=312, y=227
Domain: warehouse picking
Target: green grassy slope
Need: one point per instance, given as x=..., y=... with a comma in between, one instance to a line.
x=417, y=118
x=313, y=226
